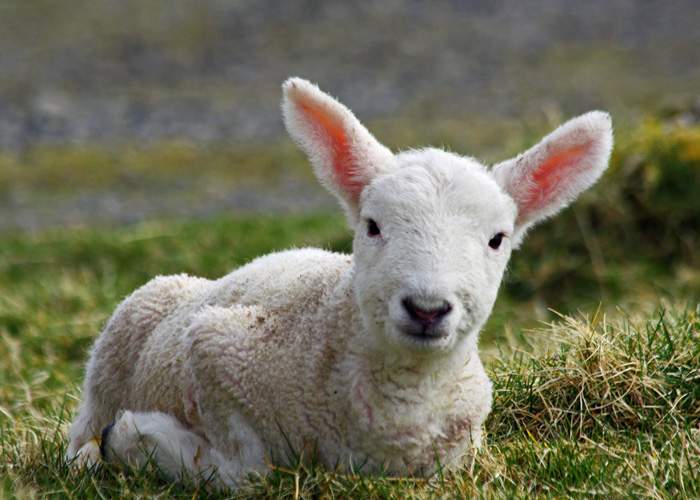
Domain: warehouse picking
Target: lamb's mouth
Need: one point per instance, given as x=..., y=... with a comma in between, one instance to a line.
x=424, y=336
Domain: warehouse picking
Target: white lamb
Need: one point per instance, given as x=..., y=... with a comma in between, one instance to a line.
x=367, y=361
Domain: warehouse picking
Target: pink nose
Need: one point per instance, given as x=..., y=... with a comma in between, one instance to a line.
x=426, y=316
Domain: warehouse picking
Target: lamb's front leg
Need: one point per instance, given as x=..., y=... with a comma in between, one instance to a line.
x=135, y=438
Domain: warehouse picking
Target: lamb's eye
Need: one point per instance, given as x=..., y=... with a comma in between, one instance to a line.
x=496, y=241
x=372, y=228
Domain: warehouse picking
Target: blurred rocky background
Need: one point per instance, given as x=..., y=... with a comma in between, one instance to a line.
x=89, y=71
x=118, y=111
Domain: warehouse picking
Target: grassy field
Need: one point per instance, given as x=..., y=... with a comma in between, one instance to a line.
x=603, y=399
x=605, y=405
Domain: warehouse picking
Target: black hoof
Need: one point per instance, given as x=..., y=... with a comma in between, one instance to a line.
x=103, y=440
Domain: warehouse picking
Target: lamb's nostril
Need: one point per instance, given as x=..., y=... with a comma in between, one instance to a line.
x=426, y=315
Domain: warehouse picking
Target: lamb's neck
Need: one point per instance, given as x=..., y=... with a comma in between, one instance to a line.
x=341, y=308
x=379, y=367
x=419, y=372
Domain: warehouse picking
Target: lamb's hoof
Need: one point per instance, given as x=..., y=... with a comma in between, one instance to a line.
x=87, y=456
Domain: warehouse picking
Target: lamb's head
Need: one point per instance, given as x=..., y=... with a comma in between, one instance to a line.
x=434, y=230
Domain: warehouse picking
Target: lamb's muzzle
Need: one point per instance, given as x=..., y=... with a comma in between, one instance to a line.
x=426, y=319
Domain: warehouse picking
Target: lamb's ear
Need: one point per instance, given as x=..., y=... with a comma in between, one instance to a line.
x=345, y=156
x=551, y=174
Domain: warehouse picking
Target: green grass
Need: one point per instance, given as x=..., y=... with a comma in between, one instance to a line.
x=607, y=405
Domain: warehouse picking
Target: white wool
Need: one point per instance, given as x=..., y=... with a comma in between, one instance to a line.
x=364, y=361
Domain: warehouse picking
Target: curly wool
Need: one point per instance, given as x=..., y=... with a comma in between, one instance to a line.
x=203, y=350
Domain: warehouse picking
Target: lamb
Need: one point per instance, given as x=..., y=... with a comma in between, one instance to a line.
x=366, y=361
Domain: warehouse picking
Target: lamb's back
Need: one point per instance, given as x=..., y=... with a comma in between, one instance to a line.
x=281, y=280
x=278, y=292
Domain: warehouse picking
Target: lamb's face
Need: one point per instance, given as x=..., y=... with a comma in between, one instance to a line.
x=434, y=230
x=431, y=244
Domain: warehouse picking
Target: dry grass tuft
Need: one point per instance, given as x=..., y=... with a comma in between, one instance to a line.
x=602, y=375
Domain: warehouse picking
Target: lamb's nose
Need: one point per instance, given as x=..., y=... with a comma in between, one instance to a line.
x=425, y=315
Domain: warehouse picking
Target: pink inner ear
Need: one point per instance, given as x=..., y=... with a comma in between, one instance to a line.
x=549, y=178
x=342, y=160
